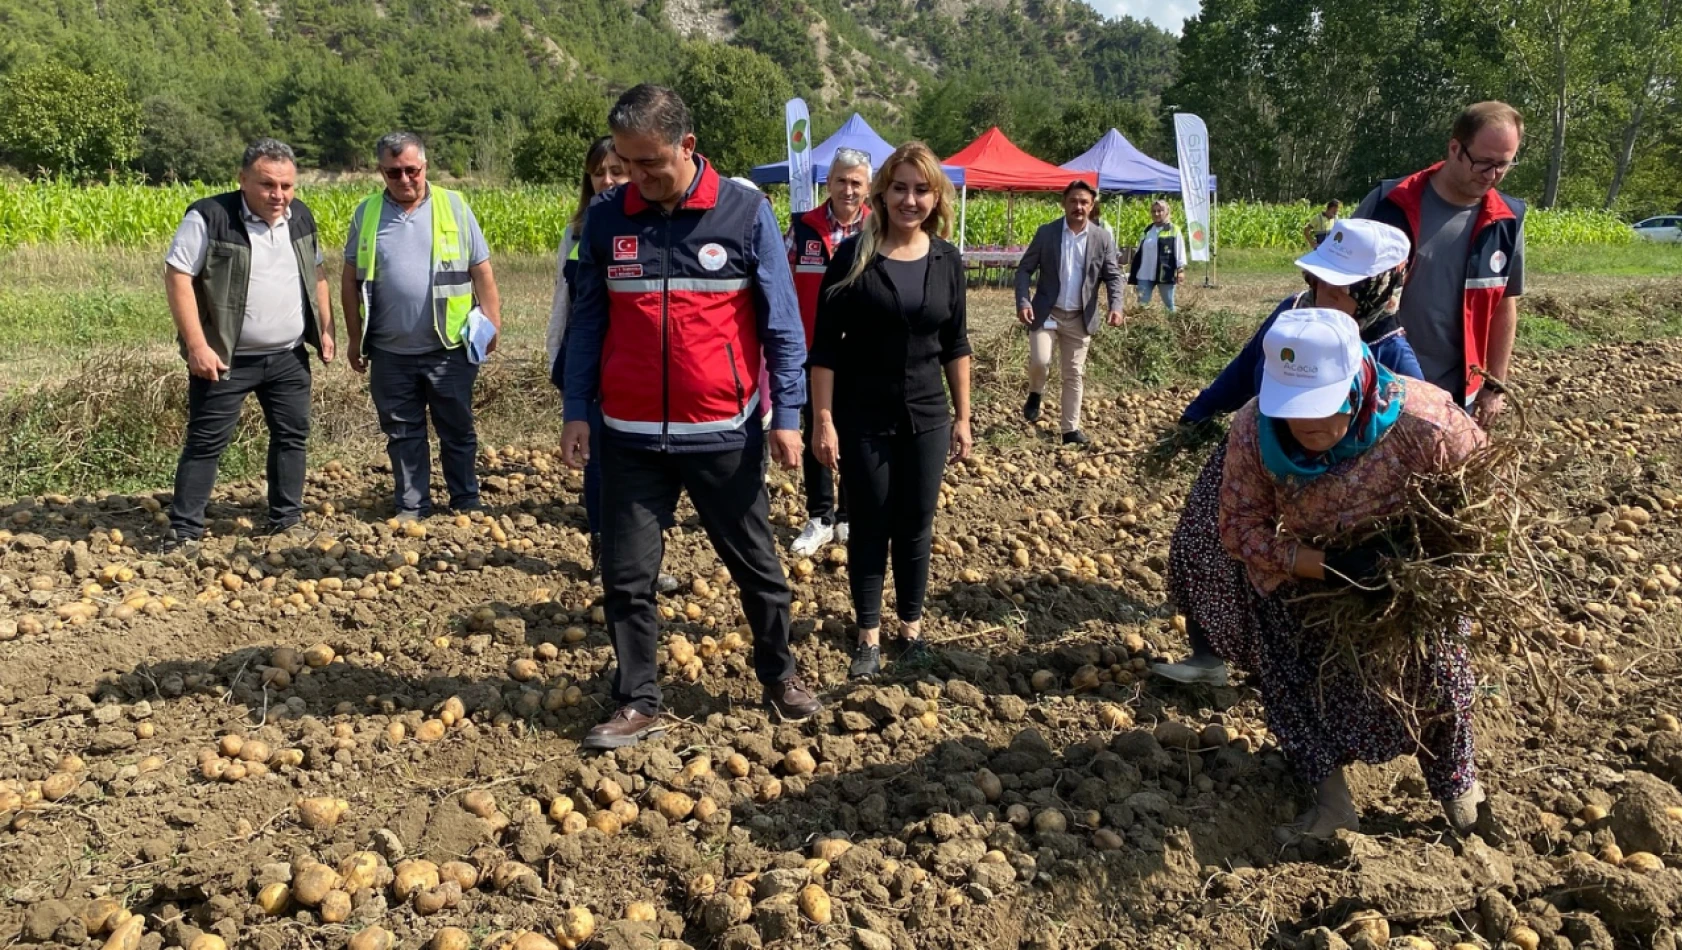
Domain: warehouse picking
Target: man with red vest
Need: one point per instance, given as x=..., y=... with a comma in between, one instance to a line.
x=811, y=242
x=1460, y=309
x=682, y=284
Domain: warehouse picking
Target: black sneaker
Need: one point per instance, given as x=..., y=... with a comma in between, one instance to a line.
x=867, y=661
x=1076, y=437
x=1031, y=409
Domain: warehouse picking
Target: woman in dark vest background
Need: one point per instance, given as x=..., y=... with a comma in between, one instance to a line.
x=891, y=319
x=602, y=170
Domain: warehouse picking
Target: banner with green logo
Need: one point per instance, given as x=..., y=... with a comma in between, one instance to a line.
x=1192, y=141
x=802, y=186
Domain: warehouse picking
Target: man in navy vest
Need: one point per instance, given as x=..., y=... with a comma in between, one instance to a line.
x=248, y=294
x=683, y=284
x=1460, y=310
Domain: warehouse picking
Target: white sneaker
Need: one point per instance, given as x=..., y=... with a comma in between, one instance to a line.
x=841, y=532
x=816, y=535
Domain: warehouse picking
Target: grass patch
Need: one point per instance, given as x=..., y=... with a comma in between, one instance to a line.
x=102, y=316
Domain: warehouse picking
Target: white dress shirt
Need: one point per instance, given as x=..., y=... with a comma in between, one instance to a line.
x=1071, y=268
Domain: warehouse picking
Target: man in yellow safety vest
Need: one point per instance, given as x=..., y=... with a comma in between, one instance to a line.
x=417, y=275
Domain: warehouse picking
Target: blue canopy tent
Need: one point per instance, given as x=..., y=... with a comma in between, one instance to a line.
x=1124, y=169
x=854, y=133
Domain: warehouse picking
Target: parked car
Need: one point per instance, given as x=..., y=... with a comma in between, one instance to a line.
x=1666, y=228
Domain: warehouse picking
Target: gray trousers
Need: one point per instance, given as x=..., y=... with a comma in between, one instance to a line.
x=405, y=389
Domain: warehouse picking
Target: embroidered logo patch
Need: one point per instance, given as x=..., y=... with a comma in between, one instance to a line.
x=624, y=271
x=712, y=257
x=625, y=248
x=811, y=262
x=1498, y=261
x=814, y=248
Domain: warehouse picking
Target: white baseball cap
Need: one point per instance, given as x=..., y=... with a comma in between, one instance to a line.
x=1355, y=250
x=1312, y=357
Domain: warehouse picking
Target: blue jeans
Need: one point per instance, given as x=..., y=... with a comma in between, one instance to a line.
x=406, y=390
x=1166, y=291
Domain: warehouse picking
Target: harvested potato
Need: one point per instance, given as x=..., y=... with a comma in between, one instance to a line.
x=412, y=877
x=450, y=938
x=606, y=822
x=311, y=885
x=127, y=935
x=990, y=785
x=274, y=898
x=1523, y=937
x=526, y=940
x=799, y=761
x=359, y=870
x=96, y=917
x=815, y=904
x=829, y=849
x=335, y=907
x=508, y=872
x=640, y=911
x=371, y=938
x=674, y=806
x=208, y=942
x=575, y=928
x=560, y=807
x=320, y=814
x=479, y=802
x=465, y=876
x=1643, y=862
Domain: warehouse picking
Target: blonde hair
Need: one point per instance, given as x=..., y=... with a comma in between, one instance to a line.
x=937, y=224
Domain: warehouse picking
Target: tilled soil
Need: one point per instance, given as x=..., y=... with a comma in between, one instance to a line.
x=186, y=739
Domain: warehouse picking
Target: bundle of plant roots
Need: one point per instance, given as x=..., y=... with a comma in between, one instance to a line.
x=1183, y=442
x=1467, y=570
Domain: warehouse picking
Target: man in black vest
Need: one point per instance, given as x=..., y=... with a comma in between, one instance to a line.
x=247, y=291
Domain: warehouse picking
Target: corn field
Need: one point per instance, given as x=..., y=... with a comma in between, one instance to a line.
x=530, y=218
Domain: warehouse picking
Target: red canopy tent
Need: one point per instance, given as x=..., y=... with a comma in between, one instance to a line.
x=993, y=162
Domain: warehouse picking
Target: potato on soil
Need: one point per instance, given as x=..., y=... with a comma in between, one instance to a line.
x=311, y=885
x=989, y=784
x=640, y=911
x=359, y=870
x=97, y=915
x=674, y=806
x=815, y=904
x=508, y=872
x=450, y=938
x=371, y=938
x=127, y=935
x=208, y=942
x=411, y=877
x=799, y=761
x=575, y=928
x=274, y=898
x=479, y=802
x=460, y=873
x=532, y=941
x=319, y=814
x=829, y=849
x=335, y=907
x=1523, y=937
x=604, y=821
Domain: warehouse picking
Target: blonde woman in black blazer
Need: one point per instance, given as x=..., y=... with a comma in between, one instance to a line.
x=891, y=323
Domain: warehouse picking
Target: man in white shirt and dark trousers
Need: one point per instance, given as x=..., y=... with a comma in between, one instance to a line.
x=247, y=291
x=1070, y=257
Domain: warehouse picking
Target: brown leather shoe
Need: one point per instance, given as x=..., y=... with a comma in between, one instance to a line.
x=626, y=727
x=792, y=701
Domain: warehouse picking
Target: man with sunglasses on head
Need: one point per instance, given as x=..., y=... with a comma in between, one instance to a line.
x=416, y=266
x=811, y=241
x=1460, y=310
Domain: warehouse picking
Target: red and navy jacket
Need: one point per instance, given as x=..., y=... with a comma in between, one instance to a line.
x=675, y=314
x=811, y=244
x=1494, y=244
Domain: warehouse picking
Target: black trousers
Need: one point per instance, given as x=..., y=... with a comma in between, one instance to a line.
x=281, y=382
x=406, y=390
x=894, y=482
x=826, y=496
x=640, y=491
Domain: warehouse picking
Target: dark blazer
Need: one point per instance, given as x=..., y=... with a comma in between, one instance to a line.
x=1045, y=255
x=889, y=368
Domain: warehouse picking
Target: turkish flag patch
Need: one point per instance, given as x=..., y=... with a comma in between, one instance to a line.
x=814, y=248
x=625, y=248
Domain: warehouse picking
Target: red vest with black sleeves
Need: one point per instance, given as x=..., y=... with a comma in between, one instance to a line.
x=681, y=359
x=1494, y=243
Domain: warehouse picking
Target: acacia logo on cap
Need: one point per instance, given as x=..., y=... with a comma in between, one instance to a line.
x=1288, y=355
x=1337, y=238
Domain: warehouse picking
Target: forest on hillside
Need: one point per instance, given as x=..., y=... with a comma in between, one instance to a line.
x=1303, y=98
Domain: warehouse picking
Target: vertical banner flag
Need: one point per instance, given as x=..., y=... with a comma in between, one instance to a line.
x=1192, y=140
x=801, y=183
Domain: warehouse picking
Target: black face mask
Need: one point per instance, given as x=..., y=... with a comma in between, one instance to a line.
x=1378, y=297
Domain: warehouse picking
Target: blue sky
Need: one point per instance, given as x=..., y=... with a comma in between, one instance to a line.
x=1168, y=14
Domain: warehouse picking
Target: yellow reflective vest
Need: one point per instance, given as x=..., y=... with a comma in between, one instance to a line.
x=452, y=253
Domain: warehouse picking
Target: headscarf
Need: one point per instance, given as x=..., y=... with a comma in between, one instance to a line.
x=1373, y=407
x=1377, y=297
